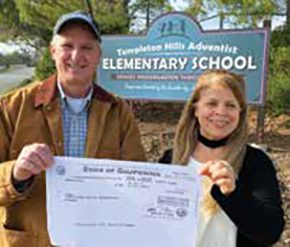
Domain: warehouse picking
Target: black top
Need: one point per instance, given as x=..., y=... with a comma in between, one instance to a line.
x=255, y=205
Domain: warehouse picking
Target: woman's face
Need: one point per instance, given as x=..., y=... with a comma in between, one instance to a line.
x=218, y=112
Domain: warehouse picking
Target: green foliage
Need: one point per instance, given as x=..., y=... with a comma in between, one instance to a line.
x=196, y=9
x=13, y=28
x=145, y=11
x=280, y=37
x=279, y=70
x=44, y=13
x=25, y=82
x=8, y=14
x=278, y=94
x=15, y=58
x=33, y=21
x=45, y=67
x=112, y=16
x=247, y=13
x=278, y=98
x=142, y=6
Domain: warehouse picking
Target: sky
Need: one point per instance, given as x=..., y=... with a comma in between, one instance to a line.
x=8, y=48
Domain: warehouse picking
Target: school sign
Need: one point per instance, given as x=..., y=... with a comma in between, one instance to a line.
x=163, y=64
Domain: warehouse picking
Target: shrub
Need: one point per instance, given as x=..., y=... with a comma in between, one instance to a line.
x=278, y=94
x=278, y=99
x=45, y=67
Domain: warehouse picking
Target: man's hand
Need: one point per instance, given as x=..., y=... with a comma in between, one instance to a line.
x=221, y=174
x=32, y=160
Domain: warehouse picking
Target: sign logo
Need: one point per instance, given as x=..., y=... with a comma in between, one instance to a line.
x=60, y=170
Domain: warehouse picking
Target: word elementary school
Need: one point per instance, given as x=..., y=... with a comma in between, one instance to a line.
x=155, y=57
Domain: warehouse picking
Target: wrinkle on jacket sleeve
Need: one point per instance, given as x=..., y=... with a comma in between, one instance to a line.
x=130, y=136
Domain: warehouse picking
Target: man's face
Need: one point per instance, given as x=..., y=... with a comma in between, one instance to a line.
x=76, y=53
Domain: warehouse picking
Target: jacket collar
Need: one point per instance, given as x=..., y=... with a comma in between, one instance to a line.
x=47, y=91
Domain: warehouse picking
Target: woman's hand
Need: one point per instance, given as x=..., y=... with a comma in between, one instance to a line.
x=221, y=174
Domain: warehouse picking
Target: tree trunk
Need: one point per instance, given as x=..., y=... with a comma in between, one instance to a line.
x=148, y=14
x=288, y=14
x=88, y=7
x=126, y=10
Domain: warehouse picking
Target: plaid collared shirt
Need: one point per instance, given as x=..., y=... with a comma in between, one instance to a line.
x=74, y=123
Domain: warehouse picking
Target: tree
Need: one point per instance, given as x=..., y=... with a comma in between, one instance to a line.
x=148, y=10
x=248, y=13
x=13, y=28
x=33, y=21
x=112, y=15
x=288, y=13
x=45, y=66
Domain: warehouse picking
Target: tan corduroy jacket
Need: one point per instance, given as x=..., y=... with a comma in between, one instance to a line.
x=32, y=115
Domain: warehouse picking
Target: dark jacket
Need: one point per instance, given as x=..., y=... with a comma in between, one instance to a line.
x=255, y=205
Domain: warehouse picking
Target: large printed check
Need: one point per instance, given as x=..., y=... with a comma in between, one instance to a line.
x=108, y=203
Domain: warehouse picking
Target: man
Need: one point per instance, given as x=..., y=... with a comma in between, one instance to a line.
x=64, y=115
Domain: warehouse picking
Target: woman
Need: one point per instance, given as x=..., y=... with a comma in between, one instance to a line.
x=240, y=203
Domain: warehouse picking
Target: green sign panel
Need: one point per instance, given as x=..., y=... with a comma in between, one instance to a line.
x=163, y=64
